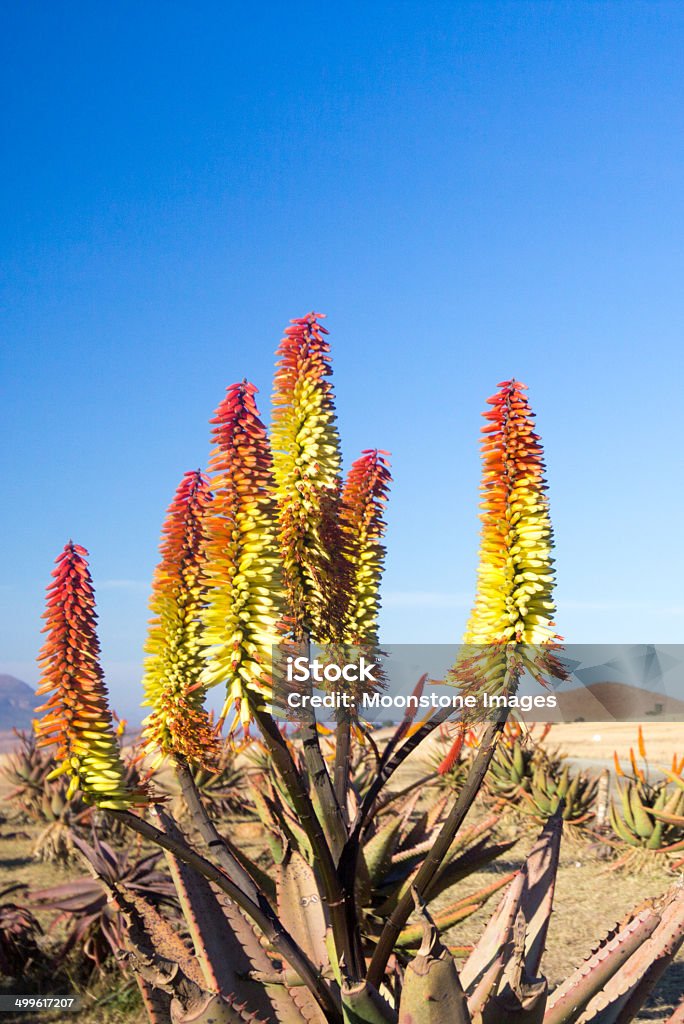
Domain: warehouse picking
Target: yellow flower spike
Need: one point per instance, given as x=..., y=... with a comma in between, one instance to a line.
x=243, y=619
x=514, y=599
x=179, y=722
x=306, y=467
x=511, y=627
x=76, y=717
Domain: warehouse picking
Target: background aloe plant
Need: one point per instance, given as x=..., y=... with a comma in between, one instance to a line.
x=648, y=815
x=275, y=548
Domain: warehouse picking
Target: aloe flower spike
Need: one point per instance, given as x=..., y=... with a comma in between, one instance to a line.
x=76, y=717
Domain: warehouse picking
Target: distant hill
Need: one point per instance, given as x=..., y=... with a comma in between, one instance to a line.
x=17, y=703
x=605, y=702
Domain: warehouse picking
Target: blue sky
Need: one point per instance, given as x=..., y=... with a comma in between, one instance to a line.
x=469, y=191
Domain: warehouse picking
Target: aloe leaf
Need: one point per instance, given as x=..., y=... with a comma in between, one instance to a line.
x=531, y=897
x=363, y=1004
x=569, y=1000
x=166, y=942
x=258, y=962
x=643, y=824
x=486, y=988
x=220, y=955
x=455, y=912
x=273, y=831
x=378, y=850
x=656, y=837
x=209, y=930
x=216, y=1009
x=620, y=828
x=303, y=913
x=626, y=808
x=301, y=907
x=435, y=813
x=626, y=992
x=156, y=1002
x=432, y=991
x=669, y=819
x=496, y=936
x=520, y=998
x=518, y=762
x=521, y=995
x=537, y=897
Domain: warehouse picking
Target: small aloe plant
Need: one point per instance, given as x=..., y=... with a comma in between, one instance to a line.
x=20, y=935
x=275, y=548
x=517, y=757
x=649, y=815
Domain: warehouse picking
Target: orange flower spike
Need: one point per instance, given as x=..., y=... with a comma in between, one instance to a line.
x=454, y=753
x=642, y=745
x=363, y=503
x=306, y=467
x=616, y=762
x=635, y=767
x=76, y=718
x=243, y=619
x=179, y=722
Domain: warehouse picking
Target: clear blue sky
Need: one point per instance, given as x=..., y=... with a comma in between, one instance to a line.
x=470, y=191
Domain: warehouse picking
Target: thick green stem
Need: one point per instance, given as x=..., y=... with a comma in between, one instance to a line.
x=324, y=794
x=435, y=857
x=347, y=942
x=342, y=765
x=348, y=864
x=210, y=834
x=389, y=764
x=260, y=913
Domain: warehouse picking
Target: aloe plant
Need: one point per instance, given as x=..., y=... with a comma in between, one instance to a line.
x=575, y=794
x=223, y=786
x=276, y=549
x=649, y=816
x=86, y=908
x=517, y=758
x=44, y=801
x=20, y=934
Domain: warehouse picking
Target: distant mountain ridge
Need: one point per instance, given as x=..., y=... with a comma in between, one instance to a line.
x=17, y=703
x=619, y=702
